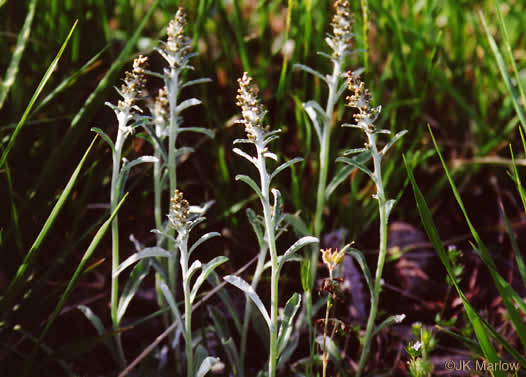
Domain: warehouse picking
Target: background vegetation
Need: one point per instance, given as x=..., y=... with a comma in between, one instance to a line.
x=428, y=62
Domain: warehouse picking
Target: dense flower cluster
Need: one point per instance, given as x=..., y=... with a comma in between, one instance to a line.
x=133, y=85
x=340, y=40
x=361, y=100
x=252, y=110
x=160, y=113
x=180, y=211
x=176, y=48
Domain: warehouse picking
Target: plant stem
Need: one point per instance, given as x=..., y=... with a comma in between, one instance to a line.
x=271, y=239
x=325, y=360
x=382, y=206
x=114, y=200
x=187, y=308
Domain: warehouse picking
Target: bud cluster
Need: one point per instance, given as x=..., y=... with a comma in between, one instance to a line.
x=341, y=39
x=252, y=110
x=361, y=100
x=160, y=112
x=133, y=85
x=180, y=211
x=176, y=48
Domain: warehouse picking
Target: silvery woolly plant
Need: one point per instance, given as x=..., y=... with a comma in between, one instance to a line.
x=182, y=219
x=167, y=118
x=340, y=42
x=129, y=117
x=259, y=136
x=365, y=121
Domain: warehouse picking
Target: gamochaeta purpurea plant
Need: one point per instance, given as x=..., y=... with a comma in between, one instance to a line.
x=259, y=136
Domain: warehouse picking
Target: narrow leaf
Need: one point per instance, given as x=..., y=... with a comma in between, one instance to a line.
x=150, y=252
x=105, y=137
x=207, y=270
x=291, y=308
x=296, y=246
x=139, y=272
x=311, y=71
x=354, y=163
x=245, y=287
x=202, y=239
x=249, y=181
x=168, y=296
x=186, y=104
x=285, y=165
x=18, y=52
x=39, y=89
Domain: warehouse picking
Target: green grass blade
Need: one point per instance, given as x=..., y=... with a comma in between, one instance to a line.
x=14, y=211
x=514, y=245
x=80, y=268
x=29, y=258
x=73, y=281
x=45, y=79
x=67, y=82
x=21, y=43
x=509, y=52
x=94, y=101
x=504, y=73
x=431, y=230
x=506, y=292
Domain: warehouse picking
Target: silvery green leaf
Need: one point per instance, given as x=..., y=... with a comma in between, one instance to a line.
x=269, y=139
x=246, y=156
x=193, y=269
x=168, y=296
x=354, y=163
x=297, y=223
x=137, y=275
x=206, y=366
x=201, y=130
x=388, y=322
x=354, y=151
x=257, y=226
x=202, y=209
x=285, y=329
x=215, y=281
x=105, y=137
x=207, y=270
x=392, y=141
x=202, y=239
x=338, y=179
x=389, y=206
x=245, y=287
x=285, y=165
x=164, y=234
x=294, y=258
x=296, y=246
x=270, y=155
x=183, y=150
x=123, y=175
x=314, y=119
x=325, y=55
x=249, y=181
x=194, y=82
x=311, y=71
x=243, y=141
x=351, y=125
x=149, y=252
x=276, y=208
x=357, y=254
